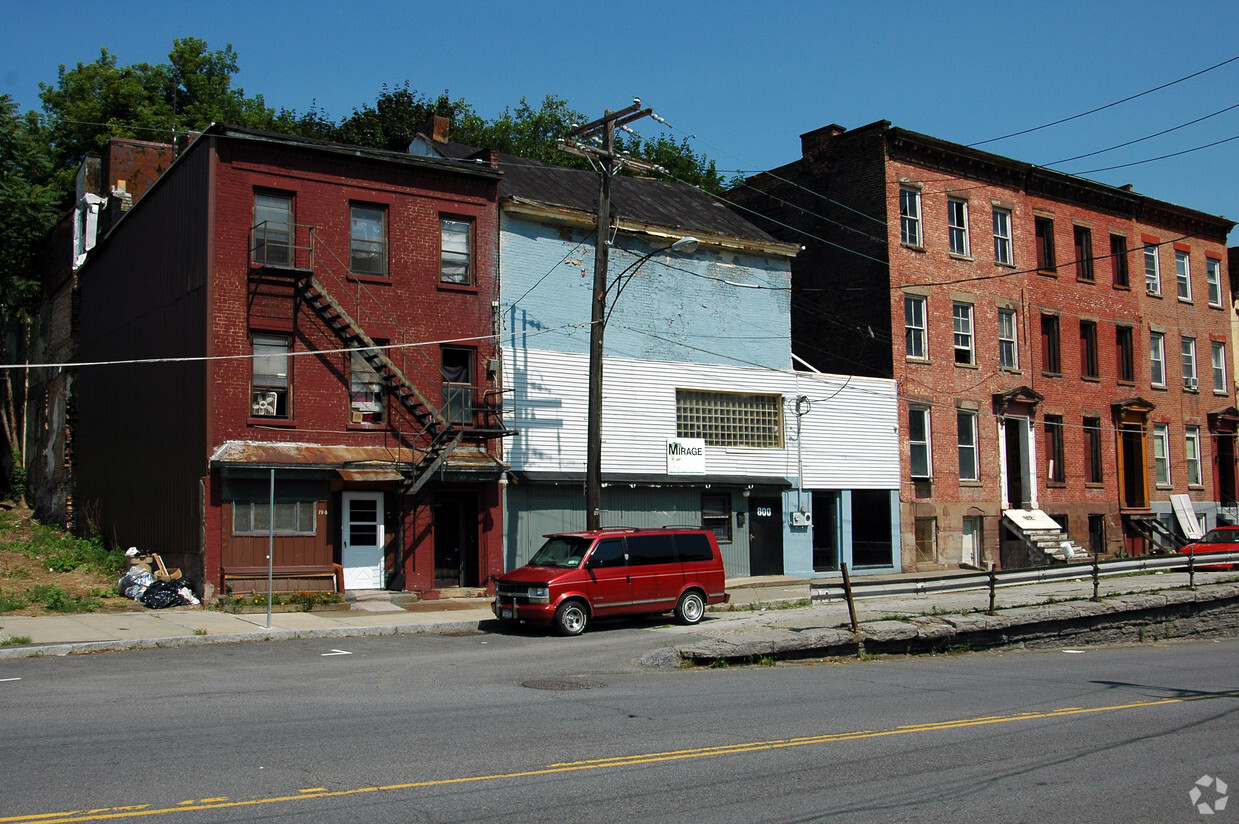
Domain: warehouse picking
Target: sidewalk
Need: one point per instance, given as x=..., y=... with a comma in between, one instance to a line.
x=764, y=618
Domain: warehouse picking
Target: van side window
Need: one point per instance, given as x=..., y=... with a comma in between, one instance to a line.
x=651, y=549
x=607, y=554
x=694, y=547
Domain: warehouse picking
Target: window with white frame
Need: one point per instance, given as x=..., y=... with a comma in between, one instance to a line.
x=966, y=426
x=456, y=251
x=1192, y=444
x=962, y=314
x=914, y=326
x=730, y=418
x=269, y=383
x=957, y=226
x=1213, y=274
x=1183, y=274
x=1157, y=358
x=1161, y=453
x=920, y=461
x=910, y=216
x=1219, y=367
x=1152, y=270
x=272, y=235
x=1002, y=237
x=1188, y=348
x=1008, y=340
x=367, y=239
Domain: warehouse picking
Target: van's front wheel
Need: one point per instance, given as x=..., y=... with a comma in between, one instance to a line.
x=571, y=618
x=690, y=608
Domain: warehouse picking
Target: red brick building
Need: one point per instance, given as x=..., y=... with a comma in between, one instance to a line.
x=317, y=319
x=1061, y=346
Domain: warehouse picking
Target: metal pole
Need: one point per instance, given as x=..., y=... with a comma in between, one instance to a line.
x=993, y=586
x=270, y=548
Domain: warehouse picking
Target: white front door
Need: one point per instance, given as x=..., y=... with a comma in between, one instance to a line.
x=971, y=534
x=362, y=552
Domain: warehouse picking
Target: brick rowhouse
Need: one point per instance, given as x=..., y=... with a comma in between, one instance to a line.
x=1054, y=339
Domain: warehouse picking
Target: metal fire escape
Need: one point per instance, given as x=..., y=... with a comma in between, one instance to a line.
x=438, y=435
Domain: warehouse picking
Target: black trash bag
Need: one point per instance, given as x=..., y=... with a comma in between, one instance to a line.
x=162, y=594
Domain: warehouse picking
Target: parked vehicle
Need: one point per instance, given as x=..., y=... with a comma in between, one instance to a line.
x=612, y=572
x=1219, y=539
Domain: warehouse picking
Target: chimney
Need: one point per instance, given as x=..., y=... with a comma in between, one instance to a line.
x=436, y=128
x=816, y=140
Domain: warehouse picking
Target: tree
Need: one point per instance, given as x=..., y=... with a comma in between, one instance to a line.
x=395, y=118
x=28, y=203
x=93, y=102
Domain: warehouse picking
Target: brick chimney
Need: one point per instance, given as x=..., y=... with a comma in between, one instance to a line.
x=816, y=140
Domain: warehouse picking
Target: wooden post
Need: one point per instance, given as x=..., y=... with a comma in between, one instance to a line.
x=847, y=591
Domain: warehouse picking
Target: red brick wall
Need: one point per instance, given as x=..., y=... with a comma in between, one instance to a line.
x=410, y=306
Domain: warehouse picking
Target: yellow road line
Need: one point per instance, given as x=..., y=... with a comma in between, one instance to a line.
x=141, y=810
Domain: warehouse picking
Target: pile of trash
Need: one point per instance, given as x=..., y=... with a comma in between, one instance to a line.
x=151, y=583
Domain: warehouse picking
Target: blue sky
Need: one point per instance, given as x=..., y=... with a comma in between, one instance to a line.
x=745, y=79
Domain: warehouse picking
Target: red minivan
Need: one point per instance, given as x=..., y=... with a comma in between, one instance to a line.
x=578, y=576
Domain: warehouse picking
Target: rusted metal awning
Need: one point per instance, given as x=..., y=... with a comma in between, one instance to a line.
x=274, y=455
x=370, y=475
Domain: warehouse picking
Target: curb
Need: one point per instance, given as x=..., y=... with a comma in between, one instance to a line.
x=1208, y=611
x=87, y=647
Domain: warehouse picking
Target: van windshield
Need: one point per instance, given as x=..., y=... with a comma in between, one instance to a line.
x=560, y=552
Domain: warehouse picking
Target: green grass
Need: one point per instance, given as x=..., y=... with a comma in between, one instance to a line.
x=13, y=640
x=59, y=550
x=54, y=599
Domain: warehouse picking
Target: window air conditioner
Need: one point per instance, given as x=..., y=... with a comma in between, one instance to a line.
x=1189, y=383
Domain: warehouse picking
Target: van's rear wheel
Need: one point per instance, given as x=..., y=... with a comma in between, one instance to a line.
x=571, y=618
x=690, y=608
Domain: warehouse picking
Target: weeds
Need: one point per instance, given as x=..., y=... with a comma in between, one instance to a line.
x=13, y=640
x=55, y=599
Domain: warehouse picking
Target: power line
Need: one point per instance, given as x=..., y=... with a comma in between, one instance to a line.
x=1107, y=106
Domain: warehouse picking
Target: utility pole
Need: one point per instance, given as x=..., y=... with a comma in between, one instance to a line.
x=609, y=164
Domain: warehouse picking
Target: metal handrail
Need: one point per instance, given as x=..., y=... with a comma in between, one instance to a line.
x=824, y=591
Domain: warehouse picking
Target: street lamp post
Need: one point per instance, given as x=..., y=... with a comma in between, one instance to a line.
x=598, y=322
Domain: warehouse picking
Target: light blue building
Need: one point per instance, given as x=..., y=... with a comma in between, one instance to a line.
x=705, y=421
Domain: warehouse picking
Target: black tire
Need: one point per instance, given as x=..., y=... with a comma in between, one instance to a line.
x=690, y=608
x=571, y=618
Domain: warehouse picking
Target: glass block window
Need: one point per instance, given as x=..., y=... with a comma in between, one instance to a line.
x=730, y=419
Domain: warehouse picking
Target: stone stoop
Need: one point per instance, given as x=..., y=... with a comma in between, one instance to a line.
x=1044, y=536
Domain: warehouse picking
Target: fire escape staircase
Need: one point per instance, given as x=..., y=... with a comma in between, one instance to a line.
x=443, y=436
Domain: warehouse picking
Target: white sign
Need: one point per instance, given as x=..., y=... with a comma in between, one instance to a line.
x=686, y=456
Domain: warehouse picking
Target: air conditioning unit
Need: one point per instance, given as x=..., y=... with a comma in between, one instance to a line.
x=1189, y=383
x=264, y=404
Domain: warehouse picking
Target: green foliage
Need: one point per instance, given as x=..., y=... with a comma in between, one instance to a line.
x=28, y=203
x=15, y=487
x=95, y=101
x=395, y=118
x=61, y=551
x=8, y=603
x=13, y=640
x=55, y=599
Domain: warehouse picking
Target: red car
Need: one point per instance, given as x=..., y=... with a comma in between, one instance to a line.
x=578, y=576
x=1219, y=539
